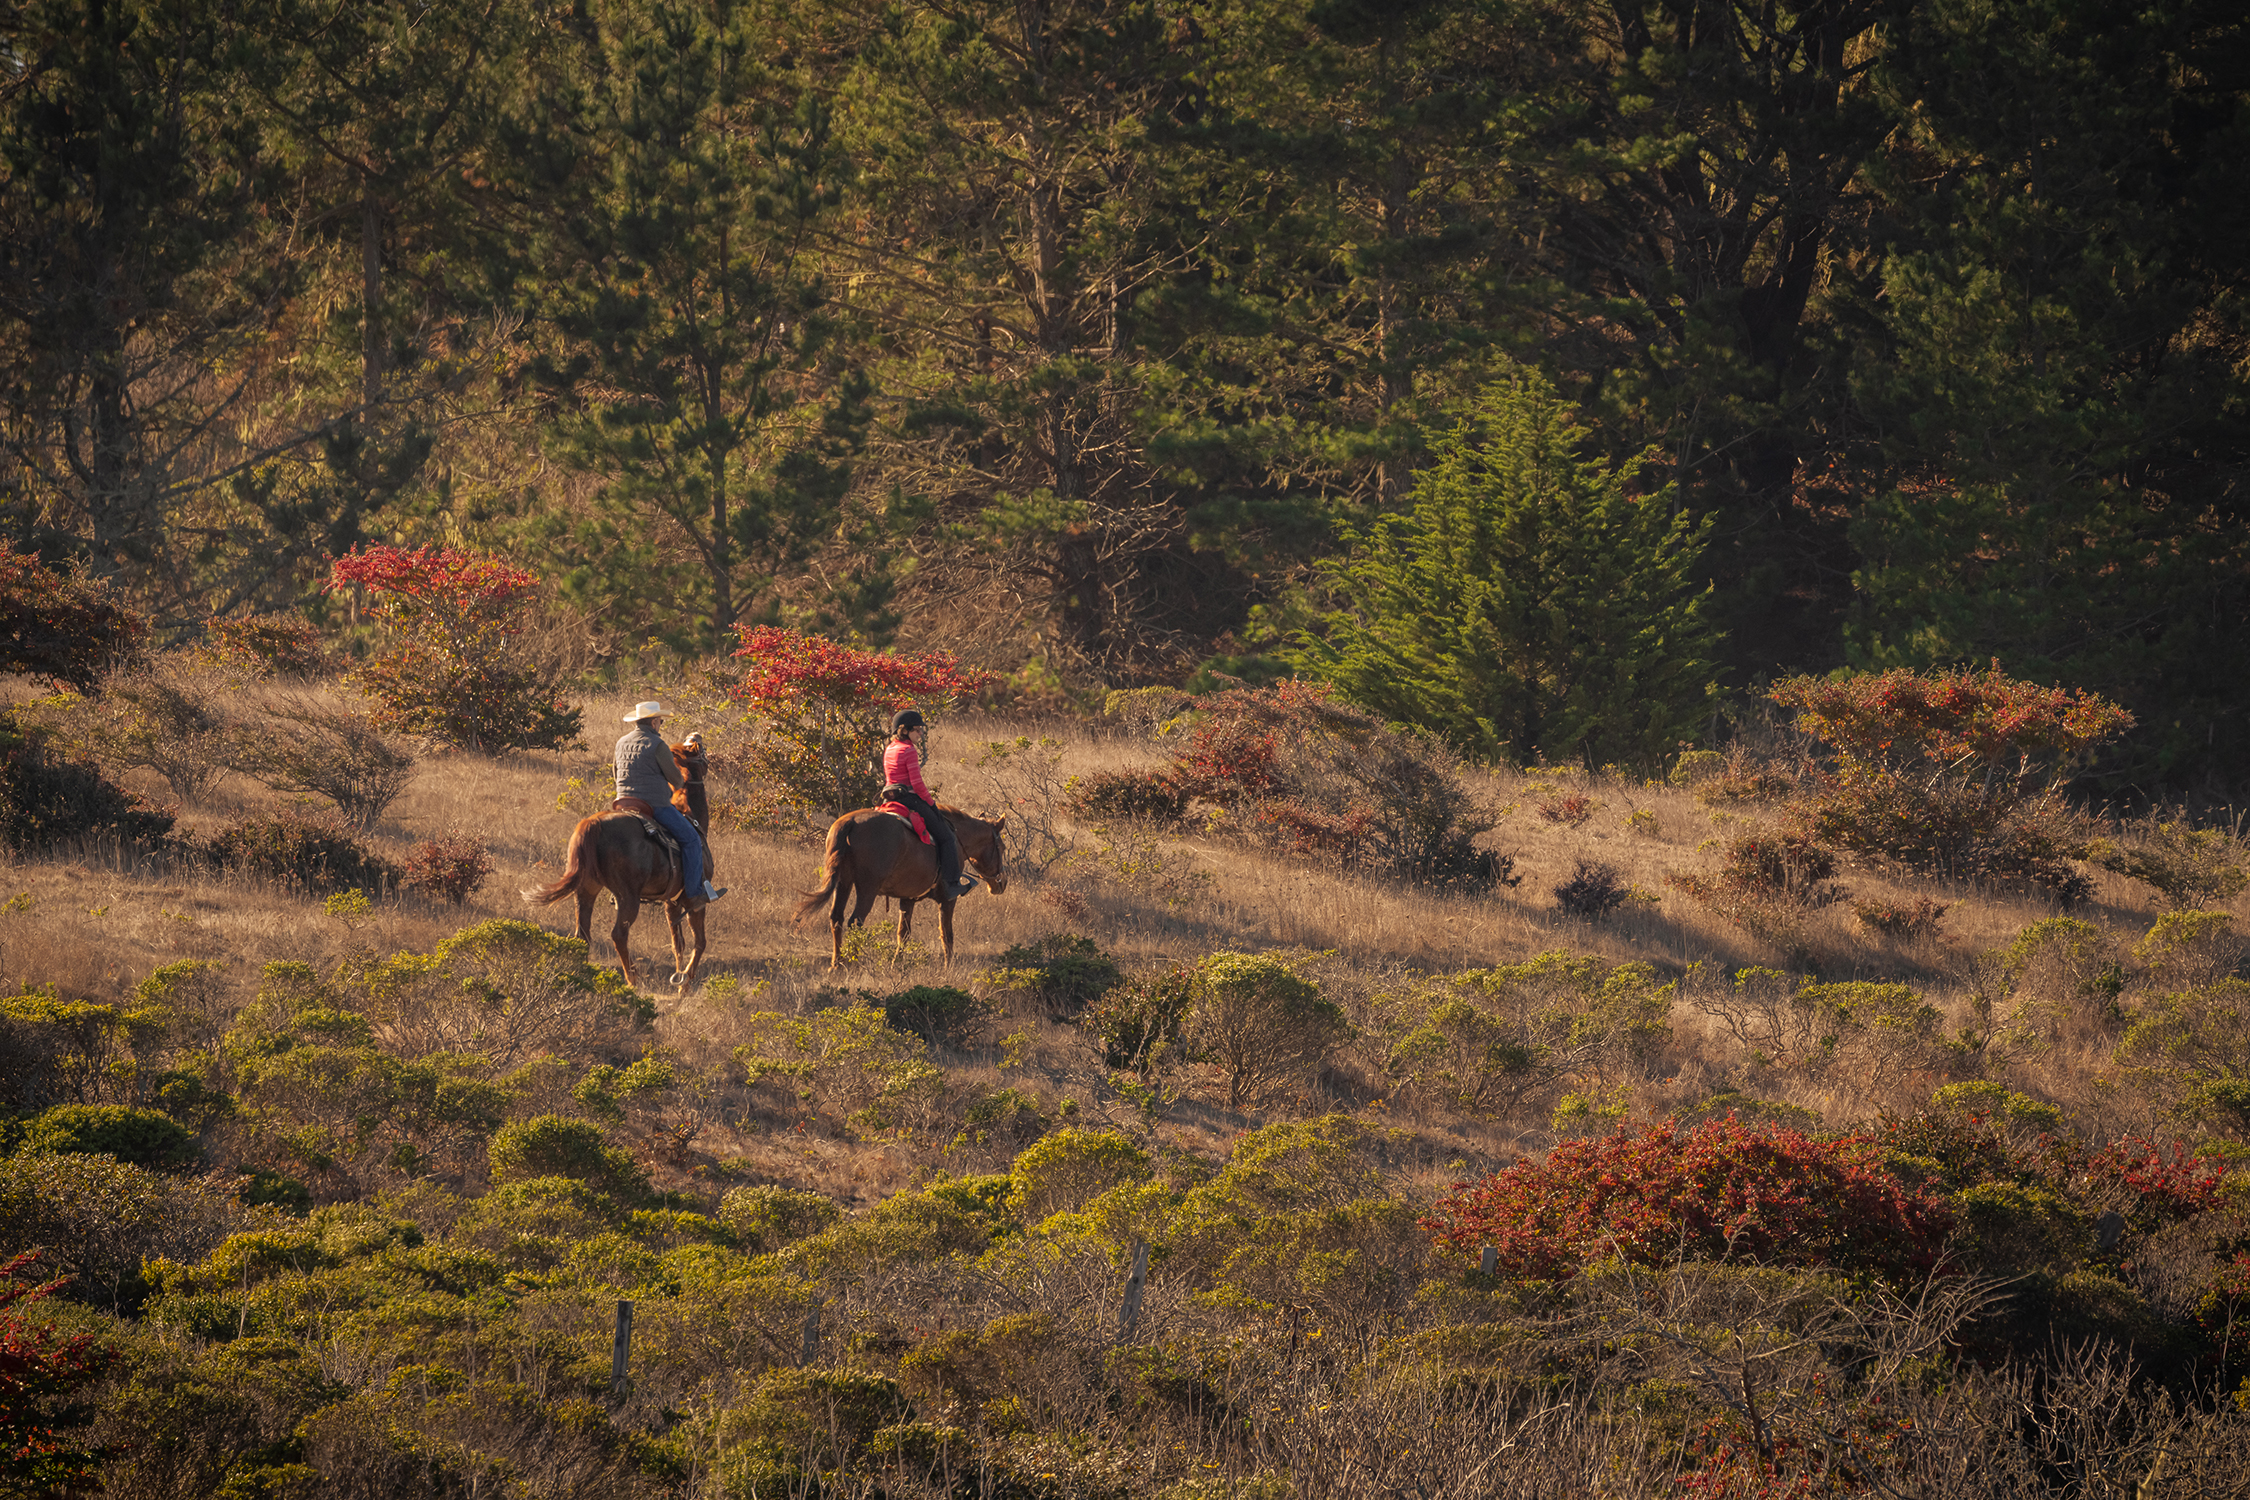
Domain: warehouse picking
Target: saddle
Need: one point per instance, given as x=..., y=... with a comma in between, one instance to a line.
x=640, y=808
x=913, y=819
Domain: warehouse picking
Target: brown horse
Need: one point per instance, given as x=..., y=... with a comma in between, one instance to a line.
x=872, y=853
x=611, y=851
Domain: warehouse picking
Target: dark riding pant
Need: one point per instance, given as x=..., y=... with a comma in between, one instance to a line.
x=941, y=833
x=675, y=823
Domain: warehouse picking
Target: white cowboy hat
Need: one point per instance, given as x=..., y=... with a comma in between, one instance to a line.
x=649, y=710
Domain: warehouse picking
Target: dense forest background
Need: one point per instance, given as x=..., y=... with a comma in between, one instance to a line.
x=1076, y=334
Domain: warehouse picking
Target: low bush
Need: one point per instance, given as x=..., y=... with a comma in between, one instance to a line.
x=1137, y=1024
x=1133, y=796
x=763, y=1219
x=337, y=753
x=1957, y=774
x=2192, y=867
x=47, y=801
x=935, y=1013
x=1572, y=810
x=143, y=1137
x=1719, y=1191
x=168, y=713
x=313, y=855
x=62, y=627
x=1290, y=768
x=102, y=1218
x=269, y=645
x=1768, y=881
x=451, y=868
x=454, y=672
x=1490, y=1041
x=1266, y=1026
x=1916, y=919
x=558, y=1146
x=1594, y=890
x=1062, y=974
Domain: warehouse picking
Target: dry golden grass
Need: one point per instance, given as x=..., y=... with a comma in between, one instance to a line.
x=97, y=922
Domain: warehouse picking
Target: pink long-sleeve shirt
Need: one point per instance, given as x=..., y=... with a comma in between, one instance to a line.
x=902, y=766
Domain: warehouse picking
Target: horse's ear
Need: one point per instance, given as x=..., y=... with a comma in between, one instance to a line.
x=999, y=822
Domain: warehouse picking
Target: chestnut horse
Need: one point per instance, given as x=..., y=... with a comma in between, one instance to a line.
x=611, y=851
x=872, y=853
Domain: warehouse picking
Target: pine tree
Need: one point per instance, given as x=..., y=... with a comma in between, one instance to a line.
x=1529, y=606
x=671, y=195
x=2057, y=382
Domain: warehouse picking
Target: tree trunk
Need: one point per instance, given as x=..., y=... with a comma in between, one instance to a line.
x=370, y=299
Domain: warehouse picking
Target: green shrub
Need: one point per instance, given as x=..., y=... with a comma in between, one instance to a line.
x=763, y=1219
x=100, y=1218
x=532, y=1223
x=1138, y=1023
x=143, y=1137
x=313, y=855
x=1063, y=974
x=1263, y=1023
x=55, y=1050
x=2192, y=867
x=1490, y=1040
x=1067, y=1168
x=558, y=1146
x=935, y=1013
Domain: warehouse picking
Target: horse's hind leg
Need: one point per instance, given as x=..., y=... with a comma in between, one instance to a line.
x=586, y=899
x=905, y=920
x=620, y=934
x=836, y=924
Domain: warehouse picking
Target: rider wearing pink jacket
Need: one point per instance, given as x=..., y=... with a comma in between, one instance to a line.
x=902, y=775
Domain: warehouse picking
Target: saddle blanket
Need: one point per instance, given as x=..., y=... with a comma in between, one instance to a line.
x=913, y=819
x=640, y=809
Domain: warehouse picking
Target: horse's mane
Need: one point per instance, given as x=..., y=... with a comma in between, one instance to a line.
x=951, y=812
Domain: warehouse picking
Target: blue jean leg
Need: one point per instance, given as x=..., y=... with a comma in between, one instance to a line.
x=675, y=823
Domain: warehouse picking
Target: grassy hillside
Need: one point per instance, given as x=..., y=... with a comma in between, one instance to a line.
x=877, y=1225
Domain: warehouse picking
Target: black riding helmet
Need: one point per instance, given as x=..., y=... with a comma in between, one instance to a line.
x=907, y=718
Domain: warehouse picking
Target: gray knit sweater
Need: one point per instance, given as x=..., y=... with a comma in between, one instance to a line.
x=645, y=767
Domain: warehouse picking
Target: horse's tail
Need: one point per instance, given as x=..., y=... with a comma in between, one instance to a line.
x=574, y=869
x=837, y=865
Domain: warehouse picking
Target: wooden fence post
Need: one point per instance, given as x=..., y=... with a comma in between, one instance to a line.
x=1129, y=1312
x=1488, y=1262
x=621, y=1348
x=812, y=1335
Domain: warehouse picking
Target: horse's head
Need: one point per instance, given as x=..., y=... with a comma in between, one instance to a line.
x=694, y=760
x=980, y=848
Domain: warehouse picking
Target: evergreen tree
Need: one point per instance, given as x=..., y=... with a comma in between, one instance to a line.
x=671, y=192
x=1529, y=606
x=129, y=305
x=2058, y=391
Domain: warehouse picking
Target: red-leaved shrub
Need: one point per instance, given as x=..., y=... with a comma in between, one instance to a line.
x=449, y=868
x=1720, y=1190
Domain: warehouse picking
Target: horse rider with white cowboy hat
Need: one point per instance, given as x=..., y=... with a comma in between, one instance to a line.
x=646, y=769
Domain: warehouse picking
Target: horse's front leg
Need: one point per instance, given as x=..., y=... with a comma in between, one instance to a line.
x=945, y=930
x=905, y=920
x=672, y=914
x=695, y=958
